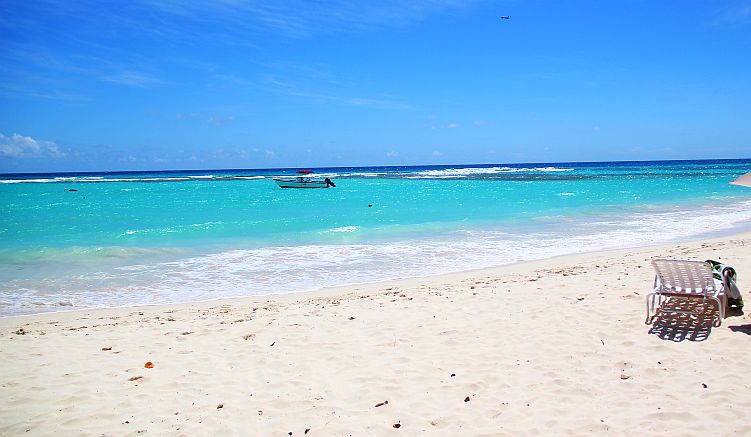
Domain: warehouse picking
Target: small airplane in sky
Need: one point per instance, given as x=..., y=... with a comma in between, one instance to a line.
x=505, y=17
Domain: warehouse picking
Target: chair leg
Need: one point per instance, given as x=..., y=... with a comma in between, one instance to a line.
x=720, y=309
x=650, y=308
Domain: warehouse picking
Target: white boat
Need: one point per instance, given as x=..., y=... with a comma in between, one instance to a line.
x=303, y=182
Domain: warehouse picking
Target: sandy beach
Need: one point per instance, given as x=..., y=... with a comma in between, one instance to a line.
x=552, y=347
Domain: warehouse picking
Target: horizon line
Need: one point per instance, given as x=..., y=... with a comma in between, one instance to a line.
x=371, y=166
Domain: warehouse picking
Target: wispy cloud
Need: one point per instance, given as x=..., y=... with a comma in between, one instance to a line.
x=20, y=146
x=445, y=126
x=99, y=36
x=46, y=68
x=237, y=21
x=734, y=14
x=219, y=120
x=231, y=80
x=292, y=89
x=22, y=90
x=214, y=119
x=131, y=78
x=299, y=18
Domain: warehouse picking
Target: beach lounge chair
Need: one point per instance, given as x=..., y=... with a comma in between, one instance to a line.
x=683, y=279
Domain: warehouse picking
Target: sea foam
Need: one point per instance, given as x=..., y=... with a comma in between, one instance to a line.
x=283, y=269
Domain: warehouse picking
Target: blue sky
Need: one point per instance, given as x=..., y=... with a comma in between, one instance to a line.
x=90, y=85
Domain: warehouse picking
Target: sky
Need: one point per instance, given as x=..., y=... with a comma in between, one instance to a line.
x=92, y=85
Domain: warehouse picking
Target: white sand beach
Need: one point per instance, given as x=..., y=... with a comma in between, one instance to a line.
x=552, y=347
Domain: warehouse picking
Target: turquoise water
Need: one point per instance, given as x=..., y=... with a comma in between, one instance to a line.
x=110, y=239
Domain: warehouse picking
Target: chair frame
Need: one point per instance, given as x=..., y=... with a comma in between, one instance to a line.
x=686, y=279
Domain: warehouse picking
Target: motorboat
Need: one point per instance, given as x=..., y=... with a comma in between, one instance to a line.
x=303, y=182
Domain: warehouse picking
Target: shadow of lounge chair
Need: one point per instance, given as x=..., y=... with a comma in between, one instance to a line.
x=683, y=320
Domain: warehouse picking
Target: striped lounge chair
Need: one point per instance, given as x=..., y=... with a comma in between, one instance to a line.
x=683, y=279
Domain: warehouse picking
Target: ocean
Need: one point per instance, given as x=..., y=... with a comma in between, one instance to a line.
x=90, y=240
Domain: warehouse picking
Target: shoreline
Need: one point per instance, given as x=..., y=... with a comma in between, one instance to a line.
x=499, y=351
x=326, y=291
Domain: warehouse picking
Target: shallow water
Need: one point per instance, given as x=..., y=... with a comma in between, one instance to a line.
x=135, y=238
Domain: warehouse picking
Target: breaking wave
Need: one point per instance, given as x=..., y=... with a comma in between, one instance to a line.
x=284, y=269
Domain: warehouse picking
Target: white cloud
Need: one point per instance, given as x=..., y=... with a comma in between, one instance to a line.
x=270, y=153
x=290, y=88
x=446, y=126
x=392, y=154
x=19, y=146
x=219, y=120
x=436, y=153
x=293, y=18
x=214, y=119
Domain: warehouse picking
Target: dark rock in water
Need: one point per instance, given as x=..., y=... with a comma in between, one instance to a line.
x=70, y=189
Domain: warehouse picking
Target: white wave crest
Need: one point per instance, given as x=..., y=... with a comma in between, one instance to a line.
x=476, y=171
x=346, y=229
x=268, y=270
